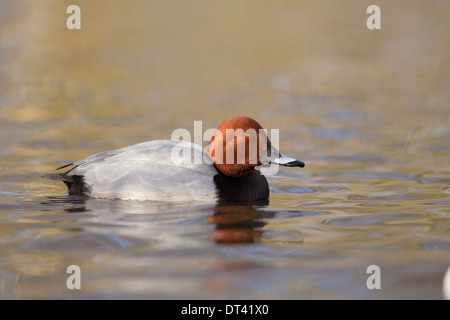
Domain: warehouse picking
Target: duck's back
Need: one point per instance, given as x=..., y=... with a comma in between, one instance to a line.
x=146, y=171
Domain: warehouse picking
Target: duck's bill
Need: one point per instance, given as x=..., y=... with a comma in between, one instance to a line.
x=288, y=162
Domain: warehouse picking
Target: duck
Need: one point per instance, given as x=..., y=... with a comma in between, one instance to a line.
x=166, y=170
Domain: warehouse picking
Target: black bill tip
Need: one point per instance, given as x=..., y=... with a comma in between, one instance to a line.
x=294, y=163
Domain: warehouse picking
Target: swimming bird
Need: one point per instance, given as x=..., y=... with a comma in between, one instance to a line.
x=165, y=170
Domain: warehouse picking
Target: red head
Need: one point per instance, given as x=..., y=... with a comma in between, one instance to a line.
x=240, y=144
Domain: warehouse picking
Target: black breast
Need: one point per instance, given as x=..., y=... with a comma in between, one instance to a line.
x=249, y=188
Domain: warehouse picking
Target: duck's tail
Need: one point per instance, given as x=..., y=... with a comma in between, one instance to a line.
x=75, y=183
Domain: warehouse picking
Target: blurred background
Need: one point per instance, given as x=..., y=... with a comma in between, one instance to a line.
x=367, y=110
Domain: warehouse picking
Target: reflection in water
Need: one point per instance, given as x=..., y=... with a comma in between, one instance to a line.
x=234, y=223
x=237, y=224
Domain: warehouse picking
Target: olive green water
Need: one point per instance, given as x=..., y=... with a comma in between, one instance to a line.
x=368, y=111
